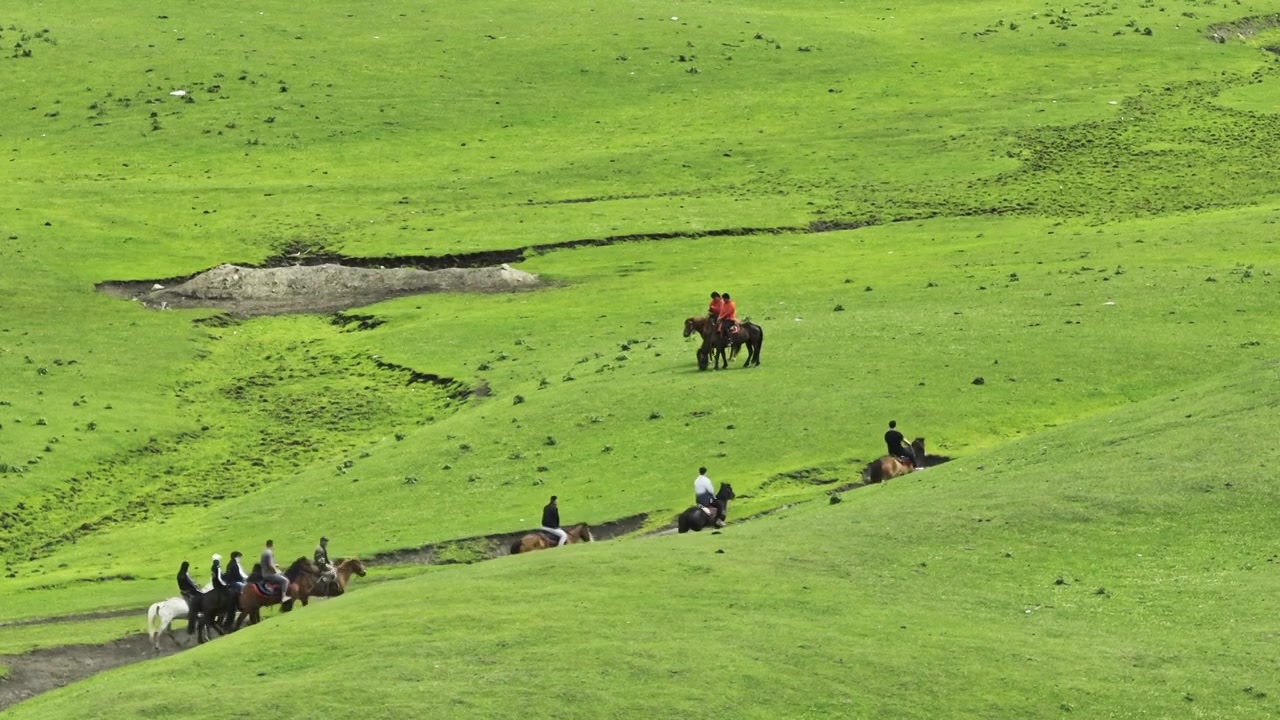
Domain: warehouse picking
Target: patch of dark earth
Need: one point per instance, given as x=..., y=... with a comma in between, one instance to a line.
x=1241, y=29
x=40, y=671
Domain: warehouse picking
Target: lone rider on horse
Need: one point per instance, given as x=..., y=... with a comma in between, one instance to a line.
x=704, y=495
x=551, y=522
x=898, y=446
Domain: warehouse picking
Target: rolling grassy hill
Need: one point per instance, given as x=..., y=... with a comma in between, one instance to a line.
x=1106, y=568
x=1074, y=203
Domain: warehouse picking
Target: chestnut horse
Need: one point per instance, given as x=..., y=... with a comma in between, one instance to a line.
x=711, y=340
x=539, y=540
x=334, y=585
x=889, y=466
x=302, y=578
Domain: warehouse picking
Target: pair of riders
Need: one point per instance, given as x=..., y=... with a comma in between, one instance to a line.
x=704, y=495
x=724, y=312
x=898, y=446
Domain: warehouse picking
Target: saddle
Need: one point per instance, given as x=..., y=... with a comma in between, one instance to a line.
x=710, y=510
x=551, y=537
x=266, y=589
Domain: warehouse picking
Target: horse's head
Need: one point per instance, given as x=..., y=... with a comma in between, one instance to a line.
x=726, y=493
x=583, y=533
x=689, y=327
x=355, y=566
x=918, y=446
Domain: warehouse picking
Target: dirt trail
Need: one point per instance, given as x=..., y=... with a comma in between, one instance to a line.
x=40, y=671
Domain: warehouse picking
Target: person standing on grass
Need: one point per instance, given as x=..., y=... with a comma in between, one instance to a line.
x=271, y=572
x=551, y=521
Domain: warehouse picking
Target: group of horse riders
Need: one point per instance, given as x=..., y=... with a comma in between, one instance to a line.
x=231, y=581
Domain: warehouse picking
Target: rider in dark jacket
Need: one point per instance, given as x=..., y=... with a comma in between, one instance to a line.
x=186, y=586
x=234, y=577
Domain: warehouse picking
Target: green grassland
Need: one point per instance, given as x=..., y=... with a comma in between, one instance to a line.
x=1129, y=586
x=1050, y=197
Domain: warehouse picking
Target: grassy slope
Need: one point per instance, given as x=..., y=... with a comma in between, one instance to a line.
x=1053, y=341
x=1087, y=568
x=624, y=134
x=365, y=153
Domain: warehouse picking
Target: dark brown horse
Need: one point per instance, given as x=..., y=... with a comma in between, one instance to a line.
x=889, y=466
x=302, y=578
x=328, y=586
x=698, y=517
x=749, y=334
x=712, y=340
x=539, y=540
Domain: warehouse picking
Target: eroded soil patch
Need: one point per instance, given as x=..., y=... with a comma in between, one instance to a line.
x=1241, y=29
x=40, y=671
x=324, y=288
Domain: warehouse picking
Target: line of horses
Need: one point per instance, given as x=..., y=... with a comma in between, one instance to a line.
x=215, y=611
x=715, y=342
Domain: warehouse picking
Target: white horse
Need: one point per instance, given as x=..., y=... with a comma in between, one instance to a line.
x=166, y=611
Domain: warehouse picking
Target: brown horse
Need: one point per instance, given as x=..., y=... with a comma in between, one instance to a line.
x=712, y=340
x=539, y=540
x=336, y=584
x=888, y=467
x=302, y=579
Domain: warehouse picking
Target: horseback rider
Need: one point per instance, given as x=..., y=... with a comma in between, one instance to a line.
x=187, y=587
x=234, y=577
x=271, y=572
x=704, y=495
x=728, y=315
x=219, y=585
x=234, y=580
x=898, y=446
x=713, y=310
x=328, y=573
x=551, y=521
x=322, y=556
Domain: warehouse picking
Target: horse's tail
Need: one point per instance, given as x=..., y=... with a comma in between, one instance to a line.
x=515, y=546
x=152, y=616
x=682, y=522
